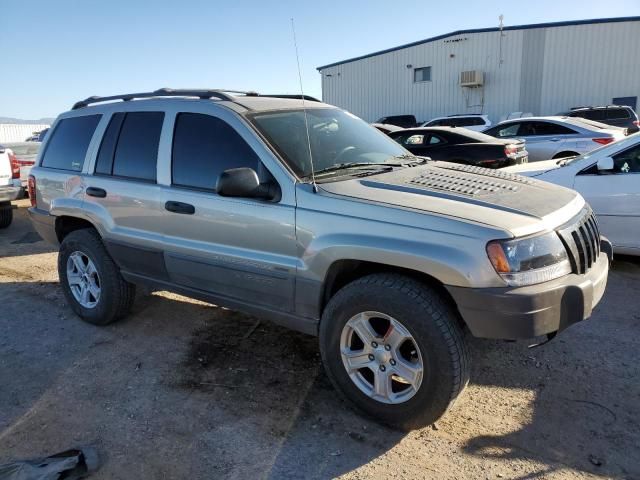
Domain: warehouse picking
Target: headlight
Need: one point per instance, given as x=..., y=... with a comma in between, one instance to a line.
x=527, y=261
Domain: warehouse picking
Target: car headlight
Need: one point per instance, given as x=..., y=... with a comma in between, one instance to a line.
x=531, y=260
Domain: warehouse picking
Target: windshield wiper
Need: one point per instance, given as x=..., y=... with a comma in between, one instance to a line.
x=566, y=160
x=357, y=165
x=413, y=160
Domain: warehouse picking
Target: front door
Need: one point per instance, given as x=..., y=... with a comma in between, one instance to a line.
x=615, y=198
x=242, y=249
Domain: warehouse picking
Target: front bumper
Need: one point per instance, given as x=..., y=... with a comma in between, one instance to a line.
x=525, y=312
x=11, y=192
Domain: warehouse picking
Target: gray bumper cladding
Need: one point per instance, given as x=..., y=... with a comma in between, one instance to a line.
x=531, y=311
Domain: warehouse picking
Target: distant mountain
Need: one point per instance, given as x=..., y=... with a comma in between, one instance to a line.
x=40, y=121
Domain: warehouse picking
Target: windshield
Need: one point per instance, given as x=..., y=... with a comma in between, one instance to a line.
x=336, y=137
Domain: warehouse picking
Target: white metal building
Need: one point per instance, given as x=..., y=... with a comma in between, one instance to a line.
x=541, y=69
x=19, y=132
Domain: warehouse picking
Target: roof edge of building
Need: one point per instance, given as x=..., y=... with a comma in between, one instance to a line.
x=484, y=30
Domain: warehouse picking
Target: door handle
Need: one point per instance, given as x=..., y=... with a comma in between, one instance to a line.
x=555, y=139
x=96, y=192
x=180, y=207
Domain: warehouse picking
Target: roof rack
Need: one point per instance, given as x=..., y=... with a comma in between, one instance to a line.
x=296, y=96
x=465, y=114
x=172, y=92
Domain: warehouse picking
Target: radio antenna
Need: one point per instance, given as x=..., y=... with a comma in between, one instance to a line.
x=304, y=109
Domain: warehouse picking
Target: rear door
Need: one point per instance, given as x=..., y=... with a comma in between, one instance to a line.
x=122, y=194
x=242, y=249
x=546, y=139
x=615, y=198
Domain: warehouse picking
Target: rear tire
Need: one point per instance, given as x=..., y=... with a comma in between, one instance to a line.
x=113, y=295
x=436, y=339
x=6, y=214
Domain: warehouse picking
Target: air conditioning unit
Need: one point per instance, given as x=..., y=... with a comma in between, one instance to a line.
x=472, y=78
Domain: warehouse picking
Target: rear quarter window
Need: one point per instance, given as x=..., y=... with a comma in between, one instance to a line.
x=617, y=113
x=69, y=142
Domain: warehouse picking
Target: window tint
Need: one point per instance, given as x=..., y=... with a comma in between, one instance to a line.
x=69, y=143
x=617, y=113
x=137, y=148
x=627, y=161
x=433, y=140
x=205, y=146
x=422, y=74
x=532, y=129
x=504, y=131
x=591, y=114
x=104, y=163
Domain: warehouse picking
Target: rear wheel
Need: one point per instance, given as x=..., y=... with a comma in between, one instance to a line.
x=393, y=347
x=6, y=214
x=91, y=281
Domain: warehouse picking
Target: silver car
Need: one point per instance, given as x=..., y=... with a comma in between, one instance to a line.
x=302, y=213
x=557, y=137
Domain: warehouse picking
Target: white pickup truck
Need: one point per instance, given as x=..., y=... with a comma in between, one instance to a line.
x=10, y=185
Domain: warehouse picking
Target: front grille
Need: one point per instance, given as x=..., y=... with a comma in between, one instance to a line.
x=581, y=238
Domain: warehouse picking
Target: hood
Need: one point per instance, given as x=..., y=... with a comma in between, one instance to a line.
x=504, y=200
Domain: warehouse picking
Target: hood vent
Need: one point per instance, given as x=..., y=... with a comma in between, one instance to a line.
x=487, y=172
x=463, y=184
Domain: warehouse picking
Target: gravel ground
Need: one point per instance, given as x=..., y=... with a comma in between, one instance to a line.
x=184, y=389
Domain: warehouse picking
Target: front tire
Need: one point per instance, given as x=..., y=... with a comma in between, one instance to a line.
x=6, y=214
x=91, y=281
x=393, y=347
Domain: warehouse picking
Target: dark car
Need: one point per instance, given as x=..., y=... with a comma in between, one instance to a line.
x=404, y=121
x=460, y=145
x=386, y=128
x=617, y=115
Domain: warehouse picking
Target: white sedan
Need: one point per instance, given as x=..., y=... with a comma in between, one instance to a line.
x=609, y=180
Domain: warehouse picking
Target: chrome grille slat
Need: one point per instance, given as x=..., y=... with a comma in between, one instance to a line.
x=586, y=238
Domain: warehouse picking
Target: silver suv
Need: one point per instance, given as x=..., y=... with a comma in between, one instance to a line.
x=302, y=213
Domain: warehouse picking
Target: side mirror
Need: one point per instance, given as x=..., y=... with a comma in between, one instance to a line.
x=605, y=163
x=244, y=182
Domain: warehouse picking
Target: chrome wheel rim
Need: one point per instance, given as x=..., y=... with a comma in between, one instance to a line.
x=381, y=357
x=83, y=279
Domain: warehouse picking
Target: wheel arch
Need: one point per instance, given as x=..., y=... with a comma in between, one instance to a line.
x=65, y=224
x=343, y=272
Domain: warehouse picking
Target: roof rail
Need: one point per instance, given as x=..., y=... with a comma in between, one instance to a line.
x=294, y=96
x=165, y=92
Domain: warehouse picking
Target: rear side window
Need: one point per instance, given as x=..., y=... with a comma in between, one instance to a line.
x=205, y=146
x=69, y=142
x=130, y=146
x=617, y=113
x=533, y=129
x=591, y=114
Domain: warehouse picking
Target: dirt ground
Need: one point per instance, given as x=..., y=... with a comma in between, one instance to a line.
x=183, y=389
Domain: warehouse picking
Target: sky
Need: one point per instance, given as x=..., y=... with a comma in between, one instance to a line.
x=53, y=53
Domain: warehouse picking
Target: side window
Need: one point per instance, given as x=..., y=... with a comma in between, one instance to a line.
x=627, y=161
x=534, y=129
x=617, y=113
x=203, y=147
x=510, y=130
x=463, y=121
x=433, y=140
x=104, y=162
x=434, y=123
x=136, y=152
x=69, y=142
x=596, y=115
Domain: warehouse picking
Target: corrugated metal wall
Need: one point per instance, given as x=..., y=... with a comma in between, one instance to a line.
x=18, y=132
x=577, y=65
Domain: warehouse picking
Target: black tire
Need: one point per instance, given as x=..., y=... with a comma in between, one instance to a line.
x=560, y=155
x=6, y=214
x=433, y=325
x=117, y=295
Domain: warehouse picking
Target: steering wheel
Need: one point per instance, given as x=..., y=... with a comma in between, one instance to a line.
x=344, y=152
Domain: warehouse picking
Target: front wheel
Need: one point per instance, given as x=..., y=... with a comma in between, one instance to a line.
x=394, y=348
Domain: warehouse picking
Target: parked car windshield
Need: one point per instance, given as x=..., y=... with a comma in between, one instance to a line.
x=336, y=137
